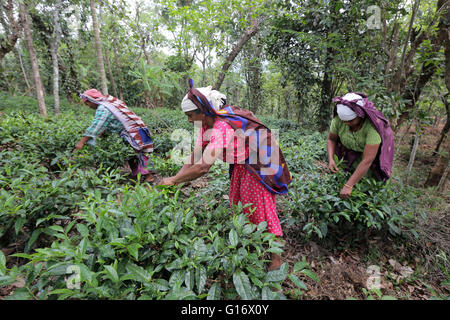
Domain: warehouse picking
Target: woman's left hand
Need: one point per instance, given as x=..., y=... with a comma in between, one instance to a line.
x=346, y=192
x=167, y=182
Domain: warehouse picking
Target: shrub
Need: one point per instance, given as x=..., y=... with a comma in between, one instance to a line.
x=152, y=245
x=373, y=204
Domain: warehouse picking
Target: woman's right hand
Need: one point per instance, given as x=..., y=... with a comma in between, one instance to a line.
x=332, y=166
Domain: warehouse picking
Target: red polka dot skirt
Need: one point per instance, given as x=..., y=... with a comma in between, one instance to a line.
x=244, y=187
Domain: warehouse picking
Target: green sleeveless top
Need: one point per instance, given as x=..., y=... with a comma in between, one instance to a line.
x=355, y=140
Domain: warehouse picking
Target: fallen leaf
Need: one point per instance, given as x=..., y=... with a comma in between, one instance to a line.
x=406, y=271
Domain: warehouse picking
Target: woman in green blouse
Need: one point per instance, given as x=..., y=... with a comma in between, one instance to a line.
x=354, y=133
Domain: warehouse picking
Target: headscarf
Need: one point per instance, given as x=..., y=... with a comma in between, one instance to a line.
x=272, y=173
x=215, y=98
x=360, y=104
x=93, y=95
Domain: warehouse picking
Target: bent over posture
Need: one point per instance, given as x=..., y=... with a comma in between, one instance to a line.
x=114, y=116
x=257, y=167
x=361, y=135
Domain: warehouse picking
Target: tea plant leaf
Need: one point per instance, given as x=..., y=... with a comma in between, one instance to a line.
x=19, y=224
x=311, y=274
x=277, y=275
x=112, y=273
x=200, y=278
x=242, y=285
x=2, y=263
x=177, y=278
x=214, y=292
x=180, y=293
x=83, y=230
x=267, y=294
x=233, y=238
x=140, y=273
x=295, y=280
x=32, y=239
x=300, y=266
x=190, y=279
x=161, y=285
x=275, y=250
x=133, y=249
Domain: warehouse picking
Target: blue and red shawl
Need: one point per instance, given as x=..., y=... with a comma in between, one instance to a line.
x=266, y=161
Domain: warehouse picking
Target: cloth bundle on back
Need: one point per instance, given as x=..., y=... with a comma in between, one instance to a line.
x=134, y=130
x=266, y=161
x=364, y=108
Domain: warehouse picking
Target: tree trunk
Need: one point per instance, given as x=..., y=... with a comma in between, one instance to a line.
x=117, y=66
x=253, y=72
x=400, y=82
x=111, y=76
x=440, y=169
x=33, y=60
x=25, y=77
x=414, y=92
x=325, y=96
x=98, y=49
x=13, y=28
x=446, y=128
x=247, y=35
x=412, y=156
x=54, y=52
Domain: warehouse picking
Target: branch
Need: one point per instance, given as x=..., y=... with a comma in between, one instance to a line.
x=247, y=35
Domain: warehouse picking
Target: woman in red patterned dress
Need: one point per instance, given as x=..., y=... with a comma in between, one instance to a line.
x=217, y=141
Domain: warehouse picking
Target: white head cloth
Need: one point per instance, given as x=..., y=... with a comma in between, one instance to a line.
x=214, y=97
x=344, y=112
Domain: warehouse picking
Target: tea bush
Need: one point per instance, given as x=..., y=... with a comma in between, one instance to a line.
x=152, y=245
x=373, y=205
x=79, y=219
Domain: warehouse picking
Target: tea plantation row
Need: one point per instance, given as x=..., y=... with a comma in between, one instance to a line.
x=87, y=232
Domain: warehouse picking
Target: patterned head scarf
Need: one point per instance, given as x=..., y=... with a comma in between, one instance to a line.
x=205, y=99
x=93, y=95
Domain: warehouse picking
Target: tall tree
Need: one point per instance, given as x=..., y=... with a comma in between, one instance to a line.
x=13, y=28
x=33, y=59
x=407, y=78
x=246, y=36
x=98, y=49
x=440, y=170
x=54, y=52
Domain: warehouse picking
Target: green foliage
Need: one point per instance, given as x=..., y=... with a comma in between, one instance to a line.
x=152, y=245
x=157, y=83
x=87, y=235
x=373, y=205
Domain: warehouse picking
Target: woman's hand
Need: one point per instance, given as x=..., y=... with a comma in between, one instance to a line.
x=167, y=181
x=79, y=146
x=346, y=192
x=332, y=166
x=81, y=143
